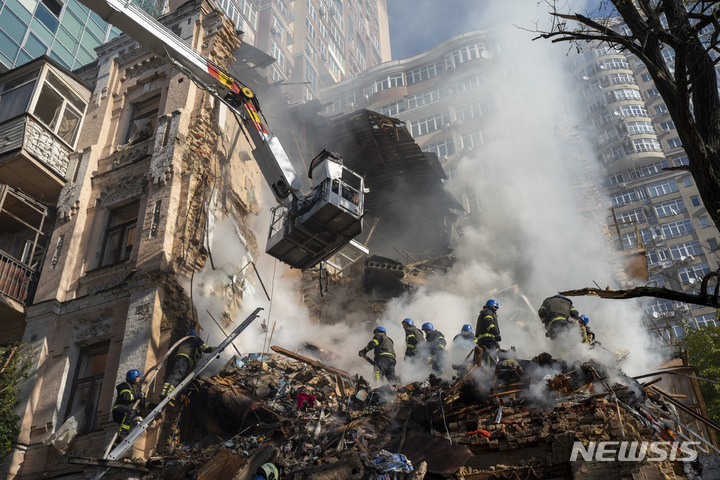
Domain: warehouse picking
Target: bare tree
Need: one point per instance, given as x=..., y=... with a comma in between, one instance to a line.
x=689, y=88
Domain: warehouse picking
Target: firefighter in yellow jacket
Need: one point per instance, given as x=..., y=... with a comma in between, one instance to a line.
x=384, y=354
x=123, y=413
x=187, y=355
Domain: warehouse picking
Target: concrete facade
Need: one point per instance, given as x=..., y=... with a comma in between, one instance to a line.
x=155, y=157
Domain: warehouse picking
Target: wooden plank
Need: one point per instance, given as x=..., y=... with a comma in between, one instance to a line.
x=311, y=361
x=108, y=463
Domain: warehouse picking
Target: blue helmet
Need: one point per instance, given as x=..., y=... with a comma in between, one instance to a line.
x=561, y=296
x=428, y=326
x=132, y=375
x=492, y=303
x=584, y=319
x=192, y=332
x=409, y=321
x=466, y=328
x=380, y=329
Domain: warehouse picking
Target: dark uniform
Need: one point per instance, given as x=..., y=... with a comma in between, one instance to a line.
x=384, y=355
x=463, y=343
x=413, y=338
x=436, y=348
x=123, y=413
x=188, y=353
x=558, y=315
x=488, y=333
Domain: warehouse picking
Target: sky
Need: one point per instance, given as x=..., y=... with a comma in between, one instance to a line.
x=418, y=25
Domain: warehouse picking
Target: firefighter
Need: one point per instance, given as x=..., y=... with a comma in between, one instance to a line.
x=463, y=342
x=413, y=338
x=123, y=413
x=558, y=315
x=487, y=330
x=267, y=472
x=384, y=354
x=436, y=347
x=187, y=354
x=587, y=334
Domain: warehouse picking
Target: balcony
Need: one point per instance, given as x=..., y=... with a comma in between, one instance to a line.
x=16, y=280
x=25, y=227
x=43, y=109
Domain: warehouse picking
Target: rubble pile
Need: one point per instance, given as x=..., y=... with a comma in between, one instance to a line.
x=317, y=422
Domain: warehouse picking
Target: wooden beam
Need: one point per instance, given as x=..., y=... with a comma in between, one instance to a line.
x=311, y=361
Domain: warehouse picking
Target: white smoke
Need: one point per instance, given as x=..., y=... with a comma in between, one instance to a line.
x=531, y=241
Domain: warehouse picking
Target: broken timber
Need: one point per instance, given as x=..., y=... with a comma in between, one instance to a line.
x=137, y=432
x=310, y=361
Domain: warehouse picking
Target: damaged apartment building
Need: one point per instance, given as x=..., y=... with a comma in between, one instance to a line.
x=109, y=176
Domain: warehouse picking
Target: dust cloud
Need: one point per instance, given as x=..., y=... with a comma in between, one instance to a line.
x=530, y=242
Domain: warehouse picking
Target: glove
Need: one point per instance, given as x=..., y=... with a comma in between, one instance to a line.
x=152, y=405
x=361, y=353
x=498, y=338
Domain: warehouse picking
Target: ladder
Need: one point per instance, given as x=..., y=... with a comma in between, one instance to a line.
x=137, y=432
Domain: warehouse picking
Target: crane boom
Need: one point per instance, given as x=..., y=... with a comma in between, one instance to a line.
x=306, y=229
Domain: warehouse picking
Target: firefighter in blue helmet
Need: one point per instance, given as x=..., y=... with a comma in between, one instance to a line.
x=558, y=315
x=436, y=345
x=587, y=334
x=487, y=328
x=184, y=360
x=384, y=350
x=123, y=413
x=463, y=343
x=414, y=339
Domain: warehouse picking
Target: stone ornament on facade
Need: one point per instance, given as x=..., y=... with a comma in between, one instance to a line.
x=127, y=188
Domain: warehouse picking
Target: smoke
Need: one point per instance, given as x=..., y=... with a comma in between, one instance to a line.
x=530, y=242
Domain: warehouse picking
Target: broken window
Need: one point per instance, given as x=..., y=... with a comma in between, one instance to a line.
x=143, y=119
x=120, y=234
x=15, y=96
x=85, y=393
x=59, y=109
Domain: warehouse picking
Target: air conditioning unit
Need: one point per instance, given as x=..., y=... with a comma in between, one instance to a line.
x=683, y=308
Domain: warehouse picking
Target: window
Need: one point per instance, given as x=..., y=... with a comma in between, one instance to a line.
x=645, y=77
x=684, y=250
x=312, y=11
x=59, y=109
x=686, y=181
x=662, y=188
x=430, y=124
x=621, y=79
x=16, y=95
x=623, y=198
x=423, y=98
x=393, y=108
x=674, y=143
x=646, y=145
x=653, y=92
x=278, y=54
x=629, y=240
x=669, y=55
x=681, y=160
x=88, y=381
x=707, y=320
x=442, y=148
x=695, y=200
x=627, y=94
x=693, y=273
x=659, y=307
x=310, y=28
x=311, y=76
x=712, y=244
x=464, y=54
x=660, y=109
x=704, y=223
x=631, y=216
x=423, y=73
x=667, y=126
x=144, y=114
x=633, y=111
x=120, y=234
x=677, y=229
x=391, y=81
x=472, y=140
x=640, y=127
x=671, y=207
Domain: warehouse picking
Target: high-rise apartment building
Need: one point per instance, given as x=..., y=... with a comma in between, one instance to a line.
x=451, y=100
x=64, y=30
x=651, y=208
x=315, y=42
